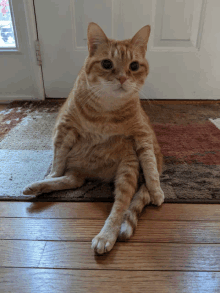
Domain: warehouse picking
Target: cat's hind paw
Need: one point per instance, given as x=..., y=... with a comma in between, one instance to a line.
x=32, y=189
x=126, y=231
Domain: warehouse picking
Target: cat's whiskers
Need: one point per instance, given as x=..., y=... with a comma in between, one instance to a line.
x=83, y=98
x=94, y=91
x=142, y=92
x=88, y=98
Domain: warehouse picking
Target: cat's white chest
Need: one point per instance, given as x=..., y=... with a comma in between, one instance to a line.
x=103, y=131
x=97, y=137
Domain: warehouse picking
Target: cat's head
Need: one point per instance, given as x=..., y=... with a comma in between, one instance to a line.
x=116, y=68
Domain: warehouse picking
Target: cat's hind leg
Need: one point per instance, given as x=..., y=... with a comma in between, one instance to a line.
x=139, y=201
x=129, y=224
x=125, y=188
x=68, y=181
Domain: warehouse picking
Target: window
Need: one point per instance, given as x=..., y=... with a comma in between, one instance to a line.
x=7, y=36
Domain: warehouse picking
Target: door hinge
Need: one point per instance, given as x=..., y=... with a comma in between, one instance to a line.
x=38, y=54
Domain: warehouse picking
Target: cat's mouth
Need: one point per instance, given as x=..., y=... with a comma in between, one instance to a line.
x=121, y=89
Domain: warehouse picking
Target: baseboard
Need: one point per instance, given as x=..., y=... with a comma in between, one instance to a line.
x=175, y=101
x=5, y=99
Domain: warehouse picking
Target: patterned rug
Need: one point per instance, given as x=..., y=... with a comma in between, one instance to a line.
x=188, y=132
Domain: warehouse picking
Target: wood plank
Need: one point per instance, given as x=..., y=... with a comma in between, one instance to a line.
x=20, y=253
x=90, y=210
x=124, y=256
x=100, y=210
x=84, y=230
x=49, y=229
x=53, y=281
x=133, y=256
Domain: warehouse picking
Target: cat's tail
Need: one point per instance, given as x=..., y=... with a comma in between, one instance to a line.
x=129, y=224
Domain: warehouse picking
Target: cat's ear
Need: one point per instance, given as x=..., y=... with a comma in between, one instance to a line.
x=95, y=36
x=140, y=39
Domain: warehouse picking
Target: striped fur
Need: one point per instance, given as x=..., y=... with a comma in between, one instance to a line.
x=102, y=132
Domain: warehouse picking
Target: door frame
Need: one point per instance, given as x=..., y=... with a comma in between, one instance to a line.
x=32, y=38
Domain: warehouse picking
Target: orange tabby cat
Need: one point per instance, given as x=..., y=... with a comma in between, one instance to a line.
x=103, y=132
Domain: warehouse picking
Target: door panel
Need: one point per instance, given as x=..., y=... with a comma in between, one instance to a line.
x=183, y=50
x=20, y=76
x=176, y=19
x=178, y=24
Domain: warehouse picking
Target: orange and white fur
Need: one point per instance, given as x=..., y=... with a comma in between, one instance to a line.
x=103, y=132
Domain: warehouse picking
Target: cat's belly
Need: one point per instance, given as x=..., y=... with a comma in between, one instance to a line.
x=99, y=160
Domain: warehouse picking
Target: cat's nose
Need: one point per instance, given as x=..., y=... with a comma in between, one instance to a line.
x=122, y=79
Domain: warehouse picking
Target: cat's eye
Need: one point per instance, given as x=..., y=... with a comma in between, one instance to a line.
x=134, y=66
x=107, y=64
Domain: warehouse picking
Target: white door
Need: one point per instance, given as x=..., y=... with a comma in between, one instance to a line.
x=183, y=50
x=20, y=75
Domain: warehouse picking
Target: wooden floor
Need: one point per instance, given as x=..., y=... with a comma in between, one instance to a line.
x=45, y=247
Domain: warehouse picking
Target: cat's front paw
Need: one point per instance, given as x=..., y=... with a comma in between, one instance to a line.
x=157, y=198
x=32, y=189
x=102, y=243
